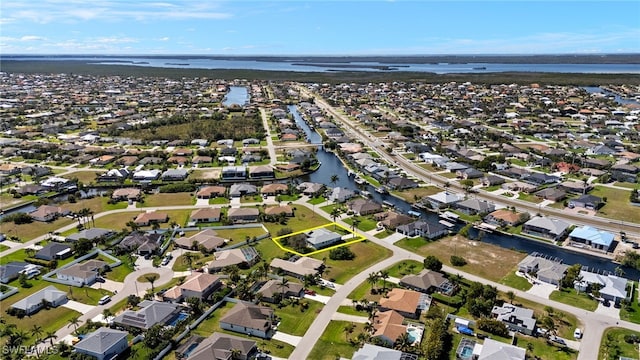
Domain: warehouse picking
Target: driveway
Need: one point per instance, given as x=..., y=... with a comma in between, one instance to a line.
x=542, y=290
x=319, y=298
x=113, y=286
x=289, y=339
x=350, y=318
x=78, y=306
x=610, y=310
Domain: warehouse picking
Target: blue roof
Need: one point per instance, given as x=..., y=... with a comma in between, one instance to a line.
x=594, y=235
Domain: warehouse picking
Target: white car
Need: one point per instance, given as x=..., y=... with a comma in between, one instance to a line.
x=577, y=334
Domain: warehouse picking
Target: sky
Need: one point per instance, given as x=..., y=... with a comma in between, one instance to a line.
x=318, y=27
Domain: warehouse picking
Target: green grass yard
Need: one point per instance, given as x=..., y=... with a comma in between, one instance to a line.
x=367, y=254
x=613, y=345
x=571, y=297
x=334, y=344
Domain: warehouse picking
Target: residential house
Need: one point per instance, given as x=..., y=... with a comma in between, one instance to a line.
x=547, y=270
x=103, y=344
x=132, y=194
x=243, y=215
x=300, y=267
x=221, y=346
x=114, y=175
x=209, y=192
x=11, y=271
x=540, y=179
x=273, y=290
x=592, y=237
x=205, y=215
x=515, y=318
x=92, y=234
x=197, y=285
x=408, y=303
x=504, y=217
x=553, y=229
x=401, y=183
x=148, y=218
x=286, y=210
x=321, y=238
x=205, y=239
x=375, y=352
x=492, y=180
x=625, y=173
x=443, y=199
x=174, y=175
x=84, y=273
x=146, y=175
x=612, y=288
x=242, y=257
x=249, y=319
x=428, y=281
x=497, y=350
x=576, y=187
x=364, y=206
x=311, y=189
x=274, y=189
x=149, y=313
x=233, y=173
x=426, y=229
x=262, y=172
x=54, y=251
x=238, y=190
x=142, y=243
x=469, y=173
x=551, y=193
x=341, y=195
x=589, y=202
x=46, y=213
x=388, y=326
x=391, y=219
x=474, y=206
x=33, y=303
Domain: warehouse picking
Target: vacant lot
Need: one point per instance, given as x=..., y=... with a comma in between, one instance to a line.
x=412, y=195
x=167, y=199
x=304, y=219
x=84, y=176
x=486, y=260
x=334, y=342
x=617, y=206
x=367, y=254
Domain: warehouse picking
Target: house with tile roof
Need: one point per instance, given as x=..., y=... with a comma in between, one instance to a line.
x=84, y=273
x=505, y=217
x=205, y=215
x=147, y=218
x=408, y=303
x=103, y=344
x=198, y=285
x=301, y=267
x=148, y=314
x=251, y=319
x=209, y=192
x=46, y=213
x=428, y=281
x=243, y=215
x=612, y=288
x=207, y=239
x=388, y=326
x=243, y=257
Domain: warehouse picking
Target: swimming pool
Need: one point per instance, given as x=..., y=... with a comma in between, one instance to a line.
x=190, y=349
x=181, y=316
x=414, y=333
x=465, y=349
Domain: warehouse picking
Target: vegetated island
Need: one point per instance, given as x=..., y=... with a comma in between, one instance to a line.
x=87, y=68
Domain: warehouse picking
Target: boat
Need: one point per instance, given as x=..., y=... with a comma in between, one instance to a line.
x=413, y=213
x=480, y=68
x=359, y=180
x=388, y=203
x=382, y=190
x=365, y=194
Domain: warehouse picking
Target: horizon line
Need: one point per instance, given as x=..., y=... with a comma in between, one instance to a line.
x=325, y=55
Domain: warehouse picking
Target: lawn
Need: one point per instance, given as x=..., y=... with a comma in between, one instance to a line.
x=27, y=232
x=317, y=200
x=166, y=199
x=613, y=345
x=571, y=297
x=351, y=310
x=544, y=350
x=530, y=198
x=182, y=265
x=304, y=219
x=384, y=233
x=120, y=272
x=617, y=206
x=363, y=291
x=211, y=325
x=4, y=247
x=415, y=194
x=85, y=295
x=516, y=282
x=116, y=221
x=632, y=311
x=268, y=250
x=84, y=176
x=333, y=343
x=367, y=254
x=49, y=320
x=95, y=204
x=489, y=261
x=240, y=234
x=295, y=321
x=287, y=198
x=218, y=201
x=567, y=323
x=365, y=223
x=405, y=267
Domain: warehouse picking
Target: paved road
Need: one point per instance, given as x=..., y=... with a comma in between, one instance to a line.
x=270, y=147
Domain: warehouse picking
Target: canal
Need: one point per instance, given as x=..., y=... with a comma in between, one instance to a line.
x=331, y=165
x=238, y=95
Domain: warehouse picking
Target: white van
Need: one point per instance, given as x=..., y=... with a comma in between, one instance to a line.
x=103, y=300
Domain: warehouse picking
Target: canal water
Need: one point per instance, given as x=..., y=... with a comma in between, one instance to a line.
x=238, y=95
x=331, y=165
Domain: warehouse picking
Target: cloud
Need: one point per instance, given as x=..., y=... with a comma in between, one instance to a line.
x=166, y=38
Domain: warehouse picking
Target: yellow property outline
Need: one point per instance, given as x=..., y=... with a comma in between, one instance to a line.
x=357, y=238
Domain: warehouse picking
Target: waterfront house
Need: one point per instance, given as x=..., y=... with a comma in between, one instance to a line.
x=197, y=285
x=274, y=189
x=364, y=206
x=426, y=229
x=262, y=172
x=391, y=219
x=127, y=194
x=149, y=313
x=311, y=189
x=174, y=175
x=299, y=268
x=547, y=270
x=103, y=344
x=341, y=195
x=146, y=175
x=504, y=217
x=33, y=303
x=224, y=346
x=408, y=303
x=474, y=206
x=401, y=183
x=231, y=173
x=515, y=318
x=612, y=288
x=553, y=229
x=249, y=319
x=428, y=281
x=114, y=175
x=46, y=213
x=592, y=237
x=443, y=199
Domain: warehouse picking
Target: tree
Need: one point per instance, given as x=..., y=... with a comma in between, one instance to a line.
x=511, y=296
x=372, y=279
x=196, y=305
x=50, y=335
x=75, y=321
x=348, y=329
x=152, y=279
x=37, y=331
x=134, y=227
x=188, y=258
x=432, y=263
x=384, y=275
x=283, y=284
x=335, y=214
x=403, y=342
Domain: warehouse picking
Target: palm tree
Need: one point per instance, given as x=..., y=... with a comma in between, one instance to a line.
x=189, y=257
x=348, y=329
x=335, y=213
x=372, y=279
x=284, y=283
x=106, y=313
x=152, y=279
x=134, y=227
x=75, y=321
x=236, y=354
x=50, y=335
x=334, y=179
x=354, y=224
x=511, y=296
x=368, y=327
x=384, y=275
x=37, y=331
x=17, y=338
x=403, y=342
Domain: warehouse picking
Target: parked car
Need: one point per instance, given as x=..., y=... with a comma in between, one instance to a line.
x=577, y=333
x=103, y=300
x=309, y=292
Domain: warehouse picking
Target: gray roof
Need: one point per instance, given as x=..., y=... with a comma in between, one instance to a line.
x=90, y=234
x=11, y=270
x=512, y=314
x=149, y=314
x=424, y=280
x=319, y=236
x=374, y=352
x=477, y=205
x=50, y=293
x=612, y=285
x=546, y=269
x=51, y=249
x=495, y=350
x=554, y=226
x=175, y=173
x=101, y=340
x=219, y=346
x=250, y=316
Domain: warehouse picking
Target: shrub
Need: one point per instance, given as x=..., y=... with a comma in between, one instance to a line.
x=341, y=253
x=493, y=326
x=178, y=187
x=432, y=263
x=458, y=260
x=50, y=264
